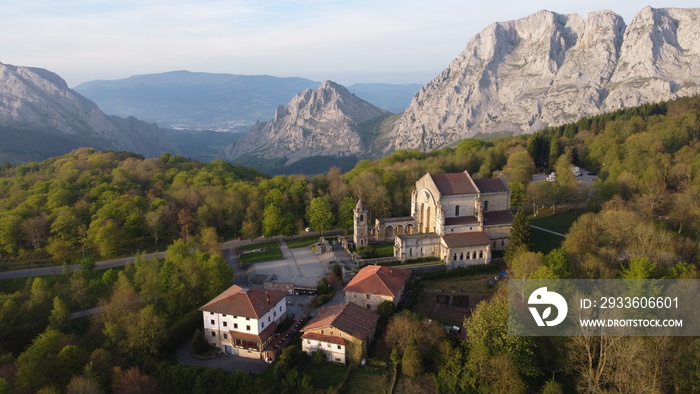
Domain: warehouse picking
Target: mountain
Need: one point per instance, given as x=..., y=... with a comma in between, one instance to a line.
x=195, y=100
x=391, y=97
x=548, y=69
x=329, y=121
x=41, y=117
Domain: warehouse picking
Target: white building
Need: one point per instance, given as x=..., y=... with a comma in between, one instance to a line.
x=242, y=321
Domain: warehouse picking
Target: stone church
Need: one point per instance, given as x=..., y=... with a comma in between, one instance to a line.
x=453, y=217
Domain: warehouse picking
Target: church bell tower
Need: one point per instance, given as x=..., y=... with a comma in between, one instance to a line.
x=360, y=226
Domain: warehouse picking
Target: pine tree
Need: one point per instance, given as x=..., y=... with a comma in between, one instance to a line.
x=520, y=237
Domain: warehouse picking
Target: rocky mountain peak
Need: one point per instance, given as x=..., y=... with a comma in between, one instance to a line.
x=38, y=99
x=321, y=122
x=549, y=69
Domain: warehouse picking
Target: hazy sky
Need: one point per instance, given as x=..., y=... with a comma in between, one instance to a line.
x=347, y=41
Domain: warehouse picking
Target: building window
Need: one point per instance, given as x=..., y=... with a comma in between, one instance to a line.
x=486, y=206
x=247, y=328
x=213, y=334
x=368, y=306
x=368, y=296
x=211, y=313
x=225, y=336
x=269, y=318
x=235, y=325
x=280, y=309
x=338, y=346
x=235, y=317
x=211, y=321
x=247, y=319
x=223, y=314
x=454, y=257
x=225, y=324
x=337, y=359
x=262, y=325
x=457, y=210
x=461, y=256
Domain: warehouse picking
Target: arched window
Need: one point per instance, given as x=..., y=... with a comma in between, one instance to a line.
x=461, y=256
x=486, y=206
x=454, y=257
x=457, y=210
x=362, y=218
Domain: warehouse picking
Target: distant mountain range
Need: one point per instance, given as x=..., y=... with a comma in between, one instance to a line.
x=514, y=77
x=41, y=117
x=224, y=102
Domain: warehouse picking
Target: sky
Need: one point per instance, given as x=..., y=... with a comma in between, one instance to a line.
x=347, y=41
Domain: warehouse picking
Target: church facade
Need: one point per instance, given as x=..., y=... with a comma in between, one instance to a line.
x=453, y=217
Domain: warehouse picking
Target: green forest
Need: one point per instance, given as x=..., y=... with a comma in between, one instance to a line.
x=641, y=219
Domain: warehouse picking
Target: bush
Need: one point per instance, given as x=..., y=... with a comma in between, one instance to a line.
x=199, y=345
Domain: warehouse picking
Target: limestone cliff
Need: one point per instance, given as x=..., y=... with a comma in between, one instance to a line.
x=550, y=69
x=36, y=99
x=322, y=122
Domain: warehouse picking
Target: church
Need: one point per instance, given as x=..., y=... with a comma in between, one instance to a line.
x=453, y=217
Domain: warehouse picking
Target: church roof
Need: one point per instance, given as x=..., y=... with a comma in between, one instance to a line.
x=460, y=240
x=375, y=279
x=454, y=184
x=360, y=205
x=495, y=218
x=461, y=220
x=239, y=301
x=491, y=185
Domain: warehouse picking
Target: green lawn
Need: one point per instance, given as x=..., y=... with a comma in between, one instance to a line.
x=559, y=222
x=268, y=251
x=326, y=375
x=301, y=242
x=545, y=242
x=384, y=250
x=367, y=380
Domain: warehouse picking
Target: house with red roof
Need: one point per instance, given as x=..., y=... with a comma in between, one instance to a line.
x=341, y=331
x=375, y=284
x=243, y=321
x=454, y=217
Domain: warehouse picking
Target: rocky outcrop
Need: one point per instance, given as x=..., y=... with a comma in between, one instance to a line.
x=37, y=99
x=550, y=69
x=322, y=122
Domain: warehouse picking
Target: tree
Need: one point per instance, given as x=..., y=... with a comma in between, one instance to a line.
x=36, y=365
x=60, y=315
x=320, y=214
x=82, y=385
x=519, y=235
x=412, y=362
x=520, y=167
x=132, y=381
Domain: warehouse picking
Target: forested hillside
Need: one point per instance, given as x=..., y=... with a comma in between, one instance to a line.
x=642, y=220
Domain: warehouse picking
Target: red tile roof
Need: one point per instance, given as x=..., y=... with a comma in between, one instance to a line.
x=460, y=240
x=239, y=301
x=374, y=279
x=491, y=185
x=348, y=317
x=454, y=184
x=315, y=336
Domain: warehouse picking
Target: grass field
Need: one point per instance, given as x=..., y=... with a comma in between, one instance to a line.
x=559, y=222
x=268, y=251
x=366, y=380
x=325, y=376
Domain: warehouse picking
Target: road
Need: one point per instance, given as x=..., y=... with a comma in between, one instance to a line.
x=228, y=247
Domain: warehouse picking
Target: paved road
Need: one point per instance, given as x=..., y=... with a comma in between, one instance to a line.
x=229, y=254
